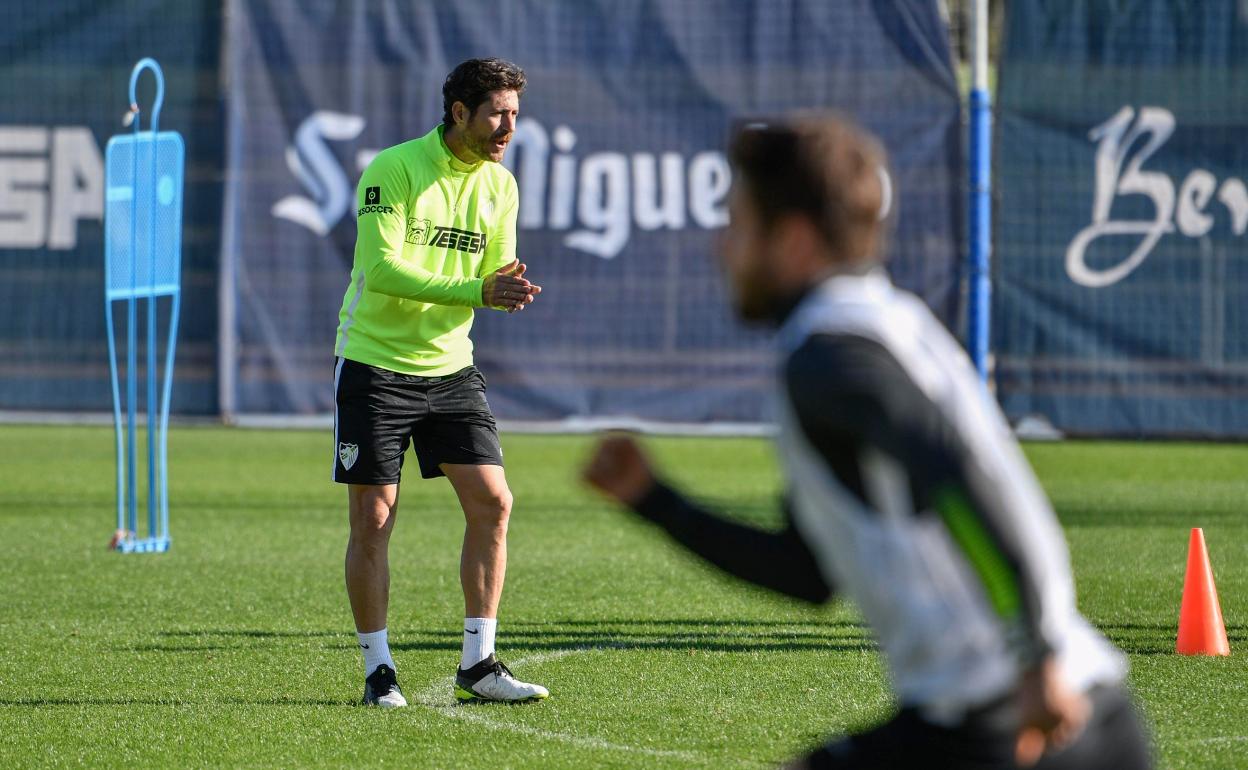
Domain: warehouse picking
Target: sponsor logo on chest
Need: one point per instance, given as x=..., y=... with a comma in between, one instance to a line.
x=421, y=232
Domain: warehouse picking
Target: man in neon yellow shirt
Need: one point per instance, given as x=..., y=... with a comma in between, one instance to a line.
x=437, y=239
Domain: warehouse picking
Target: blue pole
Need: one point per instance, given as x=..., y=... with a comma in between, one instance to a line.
x=164, y=415
x=112, y=372
x=131, y=339
x=131, y=393
x=979, y=301
x=152, y=502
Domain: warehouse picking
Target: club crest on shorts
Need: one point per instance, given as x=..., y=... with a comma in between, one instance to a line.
x=348, y=454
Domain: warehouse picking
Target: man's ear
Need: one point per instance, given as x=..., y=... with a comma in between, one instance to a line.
x=459, y=113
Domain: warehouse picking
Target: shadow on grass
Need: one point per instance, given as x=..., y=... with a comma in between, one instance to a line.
x=774, y=624
x=705, y=634
x=1166, y=512
x=706, y=643
x=1158, y=638
x=1239, y=628
x=254, y=633
x=90, y=701
x=627, y=633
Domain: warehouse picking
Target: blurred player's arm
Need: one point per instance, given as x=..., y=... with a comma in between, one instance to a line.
x=886, y=441
x=780, y=561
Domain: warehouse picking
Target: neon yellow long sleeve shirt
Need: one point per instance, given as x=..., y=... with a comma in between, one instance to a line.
x=430, y=228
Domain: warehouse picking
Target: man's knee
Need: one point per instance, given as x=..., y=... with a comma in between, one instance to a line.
x=372, y=513
x=489, y=510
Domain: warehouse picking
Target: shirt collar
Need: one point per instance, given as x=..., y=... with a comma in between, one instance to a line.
x=840, y=283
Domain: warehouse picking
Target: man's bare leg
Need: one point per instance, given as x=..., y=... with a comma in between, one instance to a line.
x=372, y=510
x=486, y=500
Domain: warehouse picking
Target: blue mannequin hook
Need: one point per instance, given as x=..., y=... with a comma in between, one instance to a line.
x=147, y=63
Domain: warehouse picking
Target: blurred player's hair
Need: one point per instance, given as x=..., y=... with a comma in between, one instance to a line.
x=821, y=167
x=472, y=80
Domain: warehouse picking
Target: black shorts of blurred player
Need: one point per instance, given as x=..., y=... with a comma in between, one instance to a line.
x=1114, y=737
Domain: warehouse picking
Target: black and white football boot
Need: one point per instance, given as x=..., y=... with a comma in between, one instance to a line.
x=381, y=689
x=490, y=680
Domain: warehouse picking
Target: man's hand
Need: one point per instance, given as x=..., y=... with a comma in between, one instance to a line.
x=1052, y=714
x=507, y=289
x=619, y=470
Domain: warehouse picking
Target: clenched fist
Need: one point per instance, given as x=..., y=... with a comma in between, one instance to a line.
x=619, y=470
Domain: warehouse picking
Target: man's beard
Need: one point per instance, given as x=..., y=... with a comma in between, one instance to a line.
x=763, y=302
x=756, y=303
x=483, y=146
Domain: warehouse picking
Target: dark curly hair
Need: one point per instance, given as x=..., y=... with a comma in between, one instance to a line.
x=472, y=80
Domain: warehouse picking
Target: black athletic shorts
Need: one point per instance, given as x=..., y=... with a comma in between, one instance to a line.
x=446, y=419
x=1114, y=739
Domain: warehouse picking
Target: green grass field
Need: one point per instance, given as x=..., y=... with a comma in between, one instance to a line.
x=235, y=649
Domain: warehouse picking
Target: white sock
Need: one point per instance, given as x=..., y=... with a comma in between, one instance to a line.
x=478, y=640
x=376, y=650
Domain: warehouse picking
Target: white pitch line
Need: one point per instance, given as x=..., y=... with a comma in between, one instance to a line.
x=434, y=698
x=1218, y=739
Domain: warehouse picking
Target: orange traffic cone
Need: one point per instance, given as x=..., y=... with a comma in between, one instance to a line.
x=1201, y=630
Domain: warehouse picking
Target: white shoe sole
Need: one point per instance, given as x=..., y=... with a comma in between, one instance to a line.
x=391, y=703
x=468, y=696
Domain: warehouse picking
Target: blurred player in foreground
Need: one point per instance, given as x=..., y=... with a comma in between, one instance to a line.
x=906, y=491
x=437, y=239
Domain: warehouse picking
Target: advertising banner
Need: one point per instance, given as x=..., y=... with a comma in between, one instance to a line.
x=619, y=158
x=1121, y=271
